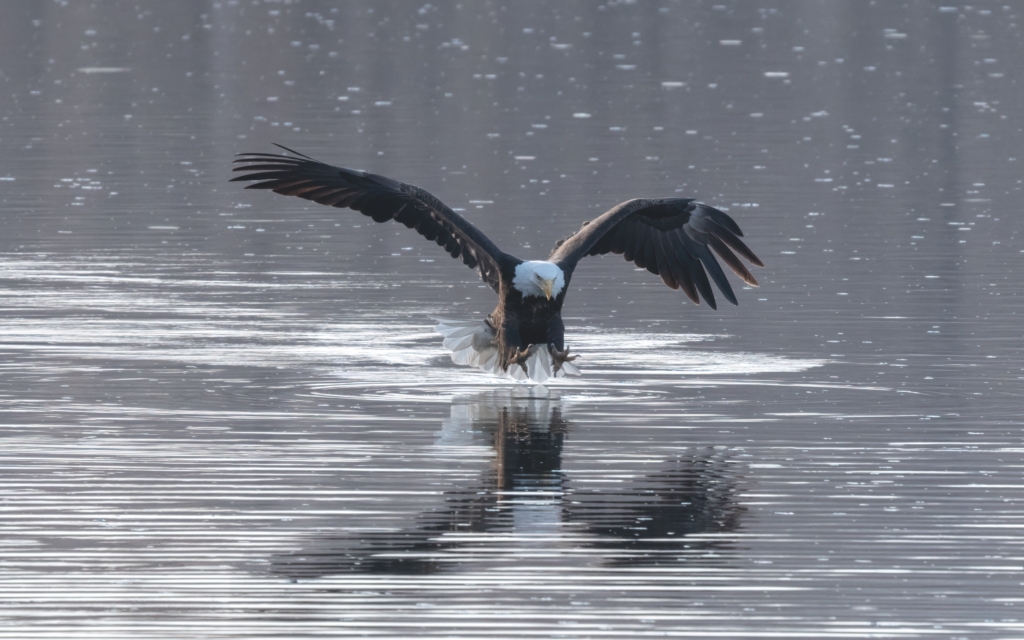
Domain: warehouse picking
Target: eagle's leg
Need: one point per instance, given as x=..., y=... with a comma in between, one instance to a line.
x=507, y=340
x=560, y=357
x=556, y=343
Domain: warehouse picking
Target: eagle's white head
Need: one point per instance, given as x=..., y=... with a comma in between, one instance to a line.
x=539, y=278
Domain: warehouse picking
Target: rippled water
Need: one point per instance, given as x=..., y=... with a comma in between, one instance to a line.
x=226, y=413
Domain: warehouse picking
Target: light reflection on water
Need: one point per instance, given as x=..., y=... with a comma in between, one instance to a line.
x=162, y=318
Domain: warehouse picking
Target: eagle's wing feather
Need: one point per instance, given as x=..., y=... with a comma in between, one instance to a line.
x=378, y=197
x=673, y=238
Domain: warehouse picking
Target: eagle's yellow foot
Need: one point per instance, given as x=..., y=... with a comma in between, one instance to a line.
x=560, y=357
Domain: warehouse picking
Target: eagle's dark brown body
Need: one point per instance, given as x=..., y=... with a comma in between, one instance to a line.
x=521, y=321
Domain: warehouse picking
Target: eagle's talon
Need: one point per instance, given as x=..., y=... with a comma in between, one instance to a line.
x=520, y=358
x=560, y=357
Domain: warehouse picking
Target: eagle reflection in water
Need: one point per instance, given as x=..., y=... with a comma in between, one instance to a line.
x=644, y=520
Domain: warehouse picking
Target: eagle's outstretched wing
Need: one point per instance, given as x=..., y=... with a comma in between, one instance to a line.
x=379, y=198
x=671, y=237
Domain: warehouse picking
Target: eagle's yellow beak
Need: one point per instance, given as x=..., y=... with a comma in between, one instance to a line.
x=546, y=286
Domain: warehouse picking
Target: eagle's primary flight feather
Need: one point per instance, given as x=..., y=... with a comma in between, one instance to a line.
x=524, y=335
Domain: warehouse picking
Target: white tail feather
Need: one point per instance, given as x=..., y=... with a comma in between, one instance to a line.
x=458, y=344
x=472, y=344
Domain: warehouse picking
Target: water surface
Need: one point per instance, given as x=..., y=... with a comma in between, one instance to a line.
x=225, y=413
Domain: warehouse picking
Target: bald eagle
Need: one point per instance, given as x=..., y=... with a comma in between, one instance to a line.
x=524, y=336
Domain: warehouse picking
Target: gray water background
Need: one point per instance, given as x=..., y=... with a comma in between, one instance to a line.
x=225, y=414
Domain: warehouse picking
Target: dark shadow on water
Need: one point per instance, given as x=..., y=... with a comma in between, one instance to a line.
x=648, y=514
